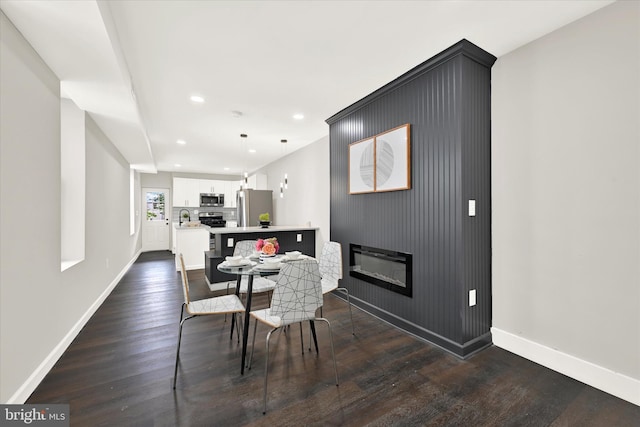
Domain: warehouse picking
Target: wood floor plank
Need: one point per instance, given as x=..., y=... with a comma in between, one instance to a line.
x=119, y=370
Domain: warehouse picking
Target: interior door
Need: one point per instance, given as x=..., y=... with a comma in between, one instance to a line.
x=155, y=227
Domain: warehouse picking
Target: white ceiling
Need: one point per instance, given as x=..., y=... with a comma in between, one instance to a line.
x=134, y=64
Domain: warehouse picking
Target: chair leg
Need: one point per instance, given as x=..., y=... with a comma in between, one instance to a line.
x=266, y=372
x=233, y=324
x=313, y=332
x=240, y=325
x=253, y=343
x=225, y=315
x=175, y=371
x=301, y=342
x=181, y=312
x=346, y=291
x=333, y=354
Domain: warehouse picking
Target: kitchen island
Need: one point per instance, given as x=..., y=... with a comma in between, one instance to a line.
x=193, y=242
x=290, y=238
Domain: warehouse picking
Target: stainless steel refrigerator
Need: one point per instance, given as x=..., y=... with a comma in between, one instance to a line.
x=252, y=203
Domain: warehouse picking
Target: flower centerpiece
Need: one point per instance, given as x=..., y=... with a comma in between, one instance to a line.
x=268, y=246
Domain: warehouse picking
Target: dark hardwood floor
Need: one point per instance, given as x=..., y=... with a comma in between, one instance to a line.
x=119, y=370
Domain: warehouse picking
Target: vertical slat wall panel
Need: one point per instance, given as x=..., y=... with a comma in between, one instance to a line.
x=438, y=99
x=476, y=178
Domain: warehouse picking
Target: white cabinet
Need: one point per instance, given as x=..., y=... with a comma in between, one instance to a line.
x=258, y=181
x=230, y=194
x=192, y=243
x=206, y=186
x=173, y=238
x=186, y=192
x=212, y=186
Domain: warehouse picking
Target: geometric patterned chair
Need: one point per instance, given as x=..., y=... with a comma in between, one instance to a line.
x=331, y=272
x=296, y=298
x=246, y=248
x=218, y=305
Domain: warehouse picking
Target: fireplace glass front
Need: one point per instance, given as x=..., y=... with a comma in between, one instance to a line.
x=388, y=269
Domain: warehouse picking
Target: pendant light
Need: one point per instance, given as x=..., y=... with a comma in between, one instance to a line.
x=283, y=142
x=244, y=178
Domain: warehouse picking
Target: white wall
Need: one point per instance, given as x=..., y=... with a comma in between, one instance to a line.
x=42, y=309
x=307, y=198
x=566, y=200
x=157, y=180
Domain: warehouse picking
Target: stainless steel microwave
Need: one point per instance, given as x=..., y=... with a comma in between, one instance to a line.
x=211, y=199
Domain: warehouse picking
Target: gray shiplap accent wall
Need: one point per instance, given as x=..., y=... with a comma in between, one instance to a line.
x=476, y=180
x=447, y=102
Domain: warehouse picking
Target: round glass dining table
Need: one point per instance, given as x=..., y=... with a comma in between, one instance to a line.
x=250, y=269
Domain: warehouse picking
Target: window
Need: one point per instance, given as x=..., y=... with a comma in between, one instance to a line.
x=132, y=208
x=72, y=188
x=155, y=206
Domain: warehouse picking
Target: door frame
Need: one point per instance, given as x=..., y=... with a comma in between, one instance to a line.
x=168, y=208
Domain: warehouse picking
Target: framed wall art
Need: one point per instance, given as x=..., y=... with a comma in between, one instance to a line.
x=393, y=160
x=381, y=163
x=361, y=166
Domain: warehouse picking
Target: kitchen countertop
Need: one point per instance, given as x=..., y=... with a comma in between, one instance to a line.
x=228, y=230
x=182, y=227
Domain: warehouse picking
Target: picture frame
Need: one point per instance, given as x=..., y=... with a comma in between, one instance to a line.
x=393, y=160
x=381, y=163
x=362, y=166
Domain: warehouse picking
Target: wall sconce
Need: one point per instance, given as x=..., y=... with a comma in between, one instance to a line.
x=281, y=191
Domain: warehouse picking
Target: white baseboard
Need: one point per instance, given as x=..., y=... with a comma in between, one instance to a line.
x=28, y=387
x=604, y=379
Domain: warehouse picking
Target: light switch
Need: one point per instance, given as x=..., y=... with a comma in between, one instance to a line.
x=299, y=238
x=230, y=242
x=472, y=297
x=472, y=208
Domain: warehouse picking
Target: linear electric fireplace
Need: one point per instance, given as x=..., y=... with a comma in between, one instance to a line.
x=388, y=269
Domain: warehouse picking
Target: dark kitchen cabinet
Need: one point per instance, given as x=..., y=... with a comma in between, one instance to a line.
x=294, y=240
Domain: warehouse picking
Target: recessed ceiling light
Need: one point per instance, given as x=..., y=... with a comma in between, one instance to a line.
x=252, y=150
x=197, y=99
x=226, y=169
x=181, y=142
x=298, y=116
x=177, y=165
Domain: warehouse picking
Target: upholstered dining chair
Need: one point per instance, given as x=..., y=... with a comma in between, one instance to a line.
x=226, y=304
x=331, y=272
x=245, y=248
x=296, y=298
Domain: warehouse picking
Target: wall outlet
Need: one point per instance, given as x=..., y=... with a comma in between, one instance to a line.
x=230, y=242
x=299, y=238
x=472, y=297
x=472, y=208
